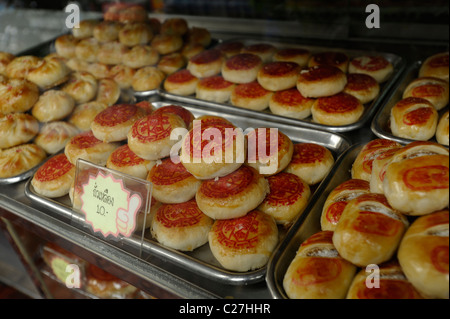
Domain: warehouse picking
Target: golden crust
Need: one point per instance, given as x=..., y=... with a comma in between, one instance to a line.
x=53, y=105
x=17, y=128
x=17, y=95
x=53, y=136
x=19, y=159
x=435, y=66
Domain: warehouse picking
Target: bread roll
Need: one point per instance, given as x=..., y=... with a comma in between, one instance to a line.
x=147, y=78
x=20, y=66
x=87, y=50
x=17, y=128
x=100, y=71
x=17, y=95
x=123, y=75
x=251, y=96
x=442, y=129
x=53, y=136
x=277, y=76
x=362, y=86
x=167, y=43
x=206, y=63
x=198, y=35
x=20, y=159
x=433, y=90
x=5, y=59
x=214, y=88
x=107, y=31
x=291, y=103
x=178, y=26
x=435, y=66
x=376, y=66
x=140, y=56
x=241, y=68
x=135, y=33
x=379, y=165
x=298, y=55
x=49, y=73
x=191, y=49
x=53, y=105
x=82, y=87
x=320, y=81
x=124, y=160
x=111, y=53
x=108, y=92
x=337, y=110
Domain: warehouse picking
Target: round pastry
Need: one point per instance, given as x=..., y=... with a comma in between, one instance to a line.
x=17, y=95
x=336, y=59
x=362, y=86
x=277, y=76
x=311, y=162
x=87, y=49
x=85, y=29
x=340, y=109
x=287, y=198
x=291, y=103
x=147, y=78
x=232, y=195
x=65, y=45
x=297, y=55
x=414, y=118
x=199, y=35
x=53, y=136
x=53, y=105
x=82, y=87
x=338, y=199
x=148, y=107
x=317, y=271
x=111, y=53
x=369, y=230
x=264, y=50
x=149, y=137
x=113, y=123
x=191, y=49
x=206, y=63
x=172, y=183
x=433, y=90
x=181, y=83
x=124, y=160
x=140, y=56
x=19, y=159
x=104, y=285
x=181, y=226
x=107, y=31
x=377, y=67
x=20, y=66
x=321, y=81
x=108, y=92
x=435, y=66
x=362, y=165
x=83, y=114
x=54, y=177
x=230, y=49
x=182, y=112
x=391, y=284
x=123, y=75
x=87, y=147
x=241, y=68
x=135, y=33
x=423, y=254
x=133, y=14
x=178, y=26
x=98, y=70
x=171, y=63
x=5, y=59
x=214, y=88
x=167, y=43
x=442, y=130
x=378, y=171
x=244, y=243
x=17, y=128
x=269, y=150
x=76, y=64
x=251, y=96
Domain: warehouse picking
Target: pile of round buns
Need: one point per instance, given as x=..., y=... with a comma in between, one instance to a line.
x=417, y=115
x=294, y=82
x=390, y=219
x=236, y=204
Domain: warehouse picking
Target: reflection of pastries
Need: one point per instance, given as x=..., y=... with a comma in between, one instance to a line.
x=19, y=159
x=297, y=55
x=104, y=285
x=206, y=63
x=54, y=136
x=277, y=76
x=291, y=103
x=250, y=96
x=135, y=33
x=111, y=53
x=362, y=86
x=241, y=68
x=442, y=129
x=147, y=78
x=214, y=88
x=81, y=86
x=435, y=66
x=108, y=91
x=167, y=43
x=377, y=67
x=433, y=90
x=83, y=114
x=124, y=160
x=181, y=83
x=53, y=105
x=140, y=56
x=339, y=109
x=17, y=95
x=17, y=128
x=107, y=31
x=321, y=81
x=133, y=14
x=264, y=50
x=65, y=45
x=171, y=63
x=336, y=59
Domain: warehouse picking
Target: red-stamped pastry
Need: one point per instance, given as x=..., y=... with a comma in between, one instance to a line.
x=336, y=59
x=379, y=165
x=291, y=103
x=244, y=243
x=214, y=88
x=340, y=109
x=19, y=159
x=264, y=50
x=182, y=112
x=230, y=49
x=362, y=86
x=298, y=55
x=279, y=75
x=320, y=81
x=124, y=160
x=181, y=82
x=251, y=96
x=241, y=68
x=433, y=90
x=206, y=63
x=435, y=66
x=377, y=67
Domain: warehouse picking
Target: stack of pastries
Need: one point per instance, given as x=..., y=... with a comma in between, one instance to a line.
x=390, y=216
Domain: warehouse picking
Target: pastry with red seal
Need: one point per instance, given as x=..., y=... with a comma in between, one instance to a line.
x=206, y=63
x=277, y=76
x=17, y=95
x=311, y=162
x=414, y=118
x=181, y=226
x=287, y=198
x=251, y=96
x=5, y=59
x=65, y=45
x=377, y=67
x=244, y=243
x=369, y=230
x=291, y=103
x=107, y=286
x=230, y=49
x=171, y=63
x=264, y=50
x=214, y=88
x=442, y=135
x=19, y=159
x=435, y=66
x=135, y=33
x=378, y=171
x=85, y=29
x=182, y=112
x=83, y=114
x=17, y=128
x=53, y=105
x=362, y=86
x=87, y=49
x=321, y=81
x=336, y=59
x=124, y=160
x=337, y=110
x=241, y=68
x=181, y=82
x=53, y=136
x=317, y=271
x=167, y=43
x=434, y=90
x=423, y=254
x=107, y=31
x=298, y=55
x=81, y=86
x=140, y=56
x=111, y=53
x=20, y=66
x=147, y=78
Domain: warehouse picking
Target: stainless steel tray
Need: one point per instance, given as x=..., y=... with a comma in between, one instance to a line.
x=380, y=124
x=369, y=109
x=201, y=261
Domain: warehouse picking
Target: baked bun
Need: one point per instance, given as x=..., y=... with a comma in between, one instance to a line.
x=87, y=50
x=149, y=137
x=251, y=96
x=277, y=76
x=336, y=59
x=191, y=49
x=244, y=243
x=172, y=183
x=198, y=35
x=111, y=53
x=311, y=162
x=147, y=78
x=17, y=95
x=104, y=285
x=230, y=49
x=53, y=136
x=181, y=226
x=20, y=66
x=17, y=128
x=340, y=109
x=317, y=271
x=296, y=55
x=181, y=83
x=133, y=14
x=320, y=81
x=19, y=159
x=269, y=150
x=178, y=26
x=290, y=103
x=362, y=86
x=232, y=195
x=433, y=90
x=83, y=114
x=82, y=87
x=287, y=198
x=264, y=50
x=171, y=63
x=53, y=105
x=49, y=73
x=392, y=284
x=108, y=92
x=140, y=56
x=377, y=67
x=5, y=59
x=124, y=160
x=414, y=118
x=76, y=64
x=123, y=75
x=423, y=254
x=214, y=88
x=442, y=130
x=54, y=177
x=135, y=33
x=87, y=147
x=369, y=230
x=99, y=70
x=85, y=29
x=337, y=200
x=65, y=45
x=379, y=165
x=435, y=66
x=113, y=123
x=107, y=31
x=206, y=63
x=182, y=112
x=241, y=68
x=167, y=43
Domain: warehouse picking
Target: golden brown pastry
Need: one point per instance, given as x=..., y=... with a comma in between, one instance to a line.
x=171, y=63
x=277, y=76
x=337, y=110
x=17, y=95
x=123, y=75
x=17, y=128
x=178, y=26
x=65, y=45
x=198, y=35
x=433, y=90
x=107, y=31
x=337, y=59
x=264, y=50
x=214, y=88
x=230, y=48
x=108, y=91
x=111, y=53
x=83, y=114
x=321, y=81
x=5, y=59
x=167, y=43
x=87, y=50
x=181, y=82
x=99, y=70
x=251, y=96
x=206, y=63
x=379, y=165
x=85, y=29
x=147, y=78
x=135, y=33
x=81, y=86
x=53, y=105
x=435, y=66
x=53, y=136
x=362, y=86
x=377, y=67
x=442, y=129
x=291, y=103
x=20, y=66
x=241, y=68
x=140, y=56
x=19, y=159
x=298, y=55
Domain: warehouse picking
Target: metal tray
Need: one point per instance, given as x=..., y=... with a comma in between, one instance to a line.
x=380, y=124
x=369, y=109
x=201, y=261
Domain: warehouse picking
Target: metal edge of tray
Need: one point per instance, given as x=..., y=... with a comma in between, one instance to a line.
x=307, y=225
x=398, y=62
x=380, y=122
x=21, y=177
